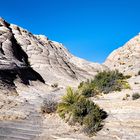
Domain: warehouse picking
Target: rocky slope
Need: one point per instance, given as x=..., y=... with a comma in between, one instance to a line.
x=123, y=122
x=126, y=58
x=49, y=60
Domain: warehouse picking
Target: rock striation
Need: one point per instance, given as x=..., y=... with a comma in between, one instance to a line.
x=51, y=62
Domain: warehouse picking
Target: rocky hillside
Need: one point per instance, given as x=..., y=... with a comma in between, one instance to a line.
x=123, y=122
x=126, y=58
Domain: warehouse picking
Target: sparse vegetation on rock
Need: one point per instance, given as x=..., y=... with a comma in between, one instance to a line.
x=88, y=89
x=49, y=105
x=106, y=81
x=75, y=108
x=126, y=97
x=135, y=96
x=110, y=81
x=55, y=85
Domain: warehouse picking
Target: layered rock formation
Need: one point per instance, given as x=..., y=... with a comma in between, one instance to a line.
x=126, y=59
x=20, y=49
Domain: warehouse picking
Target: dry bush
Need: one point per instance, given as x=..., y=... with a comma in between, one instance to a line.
x=49, y=105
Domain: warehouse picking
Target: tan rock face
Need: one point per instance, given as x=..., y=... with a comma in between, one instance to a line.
x=126, y=59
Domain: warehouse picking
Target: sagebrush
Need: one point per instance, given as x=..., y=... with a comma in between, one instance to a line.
x=49, y=105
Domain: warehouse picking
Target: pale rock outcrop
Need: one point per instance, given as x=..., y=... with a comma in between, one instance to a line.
x=52, y=60
x=127, y=58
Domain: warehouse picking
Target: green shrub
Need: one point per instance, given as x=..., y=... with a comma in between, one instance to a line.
x=88, y=89
x=135, y=96
x=93, y=121
x=81, y=85
x=106, y=81
x=75, y=108
x=110, y=81
x=127, y=76
x=124, y=84
x=65, y=108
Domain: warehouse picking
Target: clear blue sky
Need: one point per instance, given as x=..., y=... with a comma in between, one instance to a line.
x=90, y=29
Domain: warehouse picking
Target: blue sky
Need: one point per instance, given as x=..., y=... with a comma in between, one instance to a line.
x=90, y=29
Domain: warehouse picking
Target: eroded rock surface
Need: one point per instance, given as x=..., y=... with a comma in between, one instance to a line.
x=123, y=122
x=127, y=58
